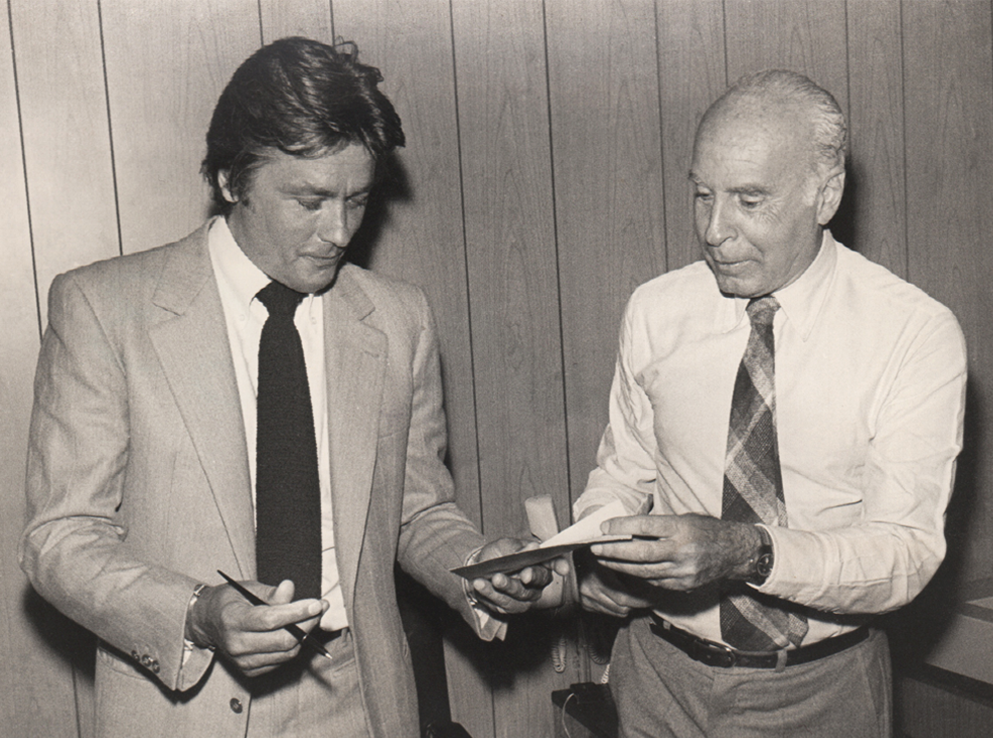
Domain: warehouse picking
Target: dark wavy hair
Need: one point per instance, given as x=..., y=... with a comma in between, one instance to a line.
x=302, y=97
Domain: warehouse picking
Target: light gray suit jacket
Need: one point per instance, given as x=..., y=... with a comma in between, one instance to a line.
x=138, y=480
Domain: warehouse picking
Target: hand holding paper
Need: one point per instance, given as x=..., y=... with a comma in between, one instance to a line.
x=583, y=533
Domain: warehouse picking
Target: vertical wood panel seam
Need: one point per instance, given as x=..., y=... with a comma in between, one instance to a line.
x=468, y=281
x=724, y=26
x=848, y=106
x=903, y=133
x=258, y=7
x=558, y=261
x=24, y=166
x=848, y=77
x=662, y=193
x=110, y=129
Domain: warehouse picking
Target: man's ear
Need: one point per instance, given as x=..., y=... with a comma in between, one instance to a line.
x=829, y=197
x=224, y=182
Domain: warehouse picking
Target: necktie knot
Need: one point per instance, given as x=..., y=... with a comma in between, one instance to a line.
x=762, y=310
x=280, y=299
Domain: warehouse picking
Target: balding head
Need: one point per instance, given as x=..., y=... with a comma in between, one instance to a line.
x=778, y=94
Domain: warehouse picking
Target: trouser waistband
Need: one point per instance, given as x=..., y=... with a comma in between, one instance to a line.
x=712, y=653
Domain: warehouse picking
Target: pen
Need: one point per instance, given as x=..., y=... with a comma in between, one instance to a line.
x=292, y=628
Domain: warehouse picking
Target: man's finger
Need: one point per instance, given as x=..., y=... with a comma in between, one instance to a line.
x=637, y=551
x=648, y=526
x=600, y=599
x=653, y=570
x=517, y=600
x=515, y=589
x=535, y=576
x=263, y=618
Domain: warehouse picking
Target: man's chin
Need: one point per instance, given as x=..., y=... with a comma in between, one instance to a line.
x=315, y=280
x=736, y=287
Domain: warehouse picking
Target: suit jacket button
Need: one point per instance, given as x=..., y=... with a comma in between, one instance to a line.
x=236, y=705
x=135, y=656
x=154, y=666
x=146, y=660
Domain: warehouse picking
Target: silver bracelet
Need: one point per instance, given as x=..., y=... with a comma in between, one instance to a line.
x=197, y=591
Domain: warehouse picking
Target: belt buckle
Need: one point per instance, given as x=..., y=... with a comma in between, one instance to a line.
x=714, y=654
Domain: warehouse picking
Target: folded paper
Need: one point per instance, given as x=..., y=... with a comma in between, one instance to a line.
x=584, y=533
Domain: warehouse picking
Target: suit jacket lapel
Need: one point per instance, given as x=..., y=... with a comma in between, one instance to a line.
x=192, y=344
x=356, y=361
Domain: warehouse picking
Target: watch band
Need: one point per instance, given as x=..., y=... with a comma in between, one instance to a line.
x=189, y=645
x=764, y=561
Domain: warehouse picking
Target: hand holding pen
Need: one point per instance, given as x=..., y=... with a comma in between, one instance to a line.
x=302, y=638
x=254, y=638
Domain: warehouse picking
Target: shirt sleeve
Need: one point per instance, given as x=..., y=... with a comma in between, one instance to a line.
x=883, y=561
x=625, y=468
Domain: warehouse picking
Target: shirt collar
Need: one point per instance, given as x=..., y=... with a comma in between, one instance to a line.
x=239, y=274
x=241, y=277
x=801, y=301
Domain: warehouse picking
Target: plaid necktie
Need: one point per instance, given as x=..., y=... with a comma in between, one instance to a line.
x=753, y=486
x=287, y=486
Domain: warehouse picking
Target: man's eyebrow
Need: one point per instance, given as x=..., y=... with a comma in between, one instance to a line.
x=752, y=190
x=304, y=188
x=749, y=190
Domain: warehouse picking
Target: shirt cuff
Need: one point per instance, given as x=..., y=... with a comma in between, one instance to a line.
x=488, y=625
x=195, y=660
x=767, y=539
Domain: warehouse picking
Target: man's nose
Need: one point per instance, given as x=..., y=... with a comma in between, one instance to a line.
x=333, y=226
x=719, y=223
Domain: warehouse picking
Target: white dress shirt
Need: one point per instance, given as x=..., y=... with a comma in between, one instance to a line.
x=238, y=281
x=870, y=385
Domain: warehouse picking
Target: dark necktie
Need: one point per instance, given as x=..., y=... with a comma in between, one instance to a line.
x=753, y=486
x=287, y=486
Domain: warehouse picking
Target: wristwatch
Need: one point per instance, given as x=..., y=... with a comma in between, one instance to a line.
x=763, y=562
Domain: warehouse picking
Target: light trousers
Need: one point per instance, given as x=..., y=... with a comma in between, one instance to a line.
x=311, y=697
x=662, y=692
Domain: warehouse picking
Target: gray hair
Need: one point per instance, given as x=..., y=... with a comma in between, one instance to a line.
x=830, y=128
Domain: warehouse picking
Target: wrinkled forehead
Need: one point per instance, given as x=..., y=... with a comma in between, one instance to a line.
x=757, y=128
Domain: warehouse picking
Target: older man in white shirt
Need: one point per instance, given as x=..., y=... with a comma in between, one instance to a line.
x=777, y=535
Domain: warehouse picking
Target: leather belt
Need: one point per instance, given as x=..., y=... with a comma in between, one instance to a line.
x=717, y=654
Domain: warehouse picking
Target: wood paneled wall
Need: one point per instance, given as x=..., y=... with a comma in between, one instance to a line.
x=544, y=178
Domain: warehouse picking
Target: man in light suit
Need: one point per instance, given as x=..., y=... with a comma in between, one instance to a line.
x=142, y=470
